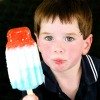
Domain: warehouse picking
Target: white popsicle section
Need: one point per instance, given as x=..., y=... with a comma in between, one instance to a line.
x=24, y=67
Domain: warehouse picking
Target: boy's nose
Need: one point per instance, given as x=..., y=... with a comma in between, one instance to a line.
x=58, y=48
x=58, y=51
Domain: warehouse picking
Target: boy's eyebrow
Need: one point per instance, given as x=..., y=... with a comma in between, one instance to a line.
x=73, y=33
x=45, y=33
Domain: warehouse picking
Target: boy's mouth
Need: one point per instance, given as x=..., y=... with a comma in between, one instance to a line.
x=59, y=61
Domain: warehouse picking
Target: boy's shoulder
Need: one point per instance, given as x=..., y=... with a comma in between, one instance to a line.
x=91, y=69
x=96, y=62
x=92, y=60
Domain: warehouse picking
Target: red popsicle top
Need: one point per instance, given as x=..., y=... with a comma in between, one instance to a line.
x=18, y=37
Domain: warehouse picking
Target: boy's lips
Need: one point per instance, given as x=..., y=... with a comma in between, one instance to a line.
x=59, y=61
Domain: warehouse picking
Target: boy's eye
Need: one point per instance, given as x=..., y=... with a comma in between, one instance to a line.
x=48, y=38
x=69, y=39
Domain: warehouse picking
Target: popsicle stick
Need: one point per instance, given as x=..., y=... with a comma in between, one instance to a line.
x=30, y=92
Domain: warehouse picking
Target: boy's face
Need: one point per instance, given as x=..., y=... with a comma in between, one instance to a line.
x=62, y=45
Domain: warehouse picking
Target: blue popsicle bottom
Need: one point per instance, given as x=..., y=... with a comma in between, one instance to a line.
x=34, y=74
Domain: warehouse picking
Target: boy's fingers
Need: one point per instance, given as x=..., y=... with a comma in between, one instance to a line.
x=30, y=97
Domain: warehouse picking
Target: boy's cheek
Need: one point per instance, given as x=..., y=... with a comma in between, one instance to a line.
x=43, y=48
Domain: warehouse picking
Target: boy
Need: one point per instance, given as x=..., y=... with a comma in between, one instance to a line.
x=63, y=32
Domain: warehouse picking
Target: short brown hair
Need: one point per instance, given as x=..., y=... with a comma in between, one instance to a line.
x=66, y=10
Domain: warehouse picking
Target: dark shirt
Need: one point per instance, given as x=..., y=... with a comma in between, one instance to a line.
x=89, y=88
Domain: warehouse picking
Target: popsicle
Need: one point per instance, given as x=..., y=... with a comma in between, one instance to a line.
x=23, y=61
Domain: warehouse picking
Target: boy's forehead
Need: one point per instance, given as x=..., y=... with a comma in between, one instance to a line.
x=57, y=19
x=56, y=24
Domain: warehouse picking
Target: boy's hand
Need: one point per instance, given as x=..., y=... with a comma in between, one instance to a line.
x=30, y=97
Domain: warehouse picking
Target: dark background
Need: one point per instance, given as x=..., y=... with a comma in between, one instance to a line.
x=17, y=13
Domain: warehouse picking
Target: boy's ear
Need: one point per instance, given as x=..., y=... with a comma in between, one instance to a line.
x=36, y=36
x=87, y=44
